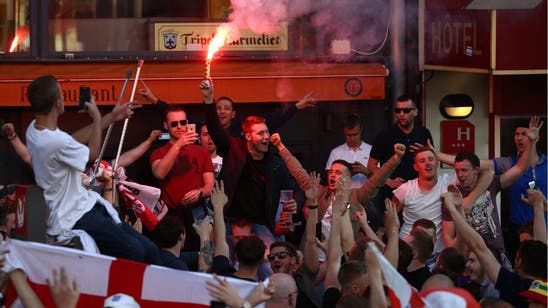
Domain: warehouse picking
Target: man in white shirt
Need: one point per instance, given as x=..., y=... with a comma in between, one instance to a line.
x=58, y=160
x=354, y=151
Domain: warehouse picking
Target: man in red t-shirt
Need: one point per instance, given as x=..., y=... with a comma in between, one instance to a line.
x=184, y=170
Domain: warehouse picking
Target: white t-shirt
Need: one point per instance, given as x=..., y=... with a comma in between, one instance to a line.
x=217, y=164
x=57, y=161
x=418, y=204
x=345, y=153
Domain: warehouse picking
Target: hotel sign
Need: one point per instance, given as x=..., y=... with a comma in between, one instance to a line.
x=196, y=37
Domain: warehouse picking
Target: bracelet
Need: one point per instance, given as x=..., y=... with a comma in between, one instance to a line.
x=107, y=189
x=312, y=207
x=12, y=136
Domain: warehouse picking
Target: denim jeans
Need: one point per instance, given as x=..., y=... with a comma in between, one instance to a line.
x=117, y=240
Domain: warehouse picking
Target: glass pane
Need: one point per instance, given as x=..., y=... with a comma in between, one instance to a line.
x=14, y=26
x=114, y=25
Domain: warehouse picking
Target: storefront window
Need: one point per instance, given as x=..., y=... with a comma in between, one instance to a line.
x=116, y=25
x=14, y=26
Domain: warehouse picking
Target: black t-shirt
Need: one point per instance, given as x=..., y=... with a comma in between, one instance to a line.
x=383, y=148
x=168, y=259
x=250, y=196
x=417, y=278
x=510, y=285
x=330, y=297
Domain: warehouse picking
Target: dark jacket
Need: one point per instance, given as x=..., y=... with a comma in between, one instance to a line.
x=234, y=153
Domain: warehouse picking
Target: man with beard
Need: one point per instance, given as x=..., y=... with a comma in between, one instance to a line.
x=253, y=173
x=406, y=132
x=184, y=170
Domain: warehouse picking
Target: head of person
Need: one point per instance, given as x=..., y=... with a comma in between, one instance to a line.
x=225, y=111
x=427, y=226
x=525, y=231
x=339, y=168
x=241, y=229
x=250, y=251
x=205, y=139
x=421, y=244
x=352, y=300
x=437, y=280
x=450, y=262
x=283, y=257
x=473, y=267
x=531, y=259
x=7, y=219
x=44, y=93
x=285, y=292
x=520, y=135
x=352, y=129
x=256, y=134
x=169, y=231
x=406, y=112
x=467, y=168
x=425, y=163
x=175, y=121
x=353, y=278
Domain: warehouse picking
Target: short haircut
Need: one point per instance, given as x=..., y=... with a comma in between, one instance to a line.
x=351, y=301
x=526, y=227
x=469, y=156
x=352, y=120
x=533, y=258
x=173, y=108
x=250, y=121
x=423, y=149
x=4, y=212
x=225, y=98
x=521, y=123
x=291, y=249
x=344, y=163
x=250, y=251
x=202, y=124
x=242, y=223
x=167, y=231
x=405, y=98
x=357, y=252
x=452, y=263
x=422, y=244
x=425, y=223
x=42, y=94
x=350, y=272
x=405, y=256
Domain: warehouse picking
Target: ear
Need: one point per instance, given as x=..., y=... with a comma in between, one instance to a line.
x=415, y=112
x=415, y=166
x=247, y=136
x=166, y=127
x=233, y=114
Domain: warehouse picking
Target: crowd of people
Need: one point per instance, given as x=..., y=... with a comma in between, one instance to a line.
x=240, y=204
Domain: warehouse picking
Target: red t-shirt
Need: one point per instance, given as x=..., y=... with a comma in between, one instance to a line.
x=185, y=174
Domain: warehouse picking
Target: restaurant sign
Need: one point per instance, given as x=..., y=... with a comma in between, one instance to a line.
x=196, y=37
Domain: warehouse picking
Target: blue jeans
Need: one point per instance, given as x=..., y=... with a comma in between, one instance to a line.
x=117, y=240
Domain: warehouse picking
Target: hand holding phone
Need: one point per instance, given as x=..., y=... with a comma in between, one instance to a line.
x=191, y=127
x=85, y=96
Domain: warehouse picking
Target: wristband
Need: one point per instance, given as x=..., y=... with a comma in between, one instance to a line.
x=107, y=189
x=312, y=207
x=12, y=136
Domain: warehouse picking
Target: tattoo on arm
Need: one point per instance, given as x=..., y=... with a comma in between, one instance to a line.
x=207, y=252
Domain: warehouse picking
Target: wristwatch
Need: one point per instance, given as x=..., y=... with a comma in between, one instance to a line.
x=201, y=193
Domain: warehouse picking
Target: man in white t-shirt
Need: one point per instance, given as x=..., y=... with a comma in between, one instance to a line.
x=354, y=151
x=420, y=197
x=58, y=160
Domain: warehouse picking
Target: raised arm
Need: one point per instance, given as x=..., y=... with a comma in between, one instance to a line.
x=205, y=257
x=452, y=200
x=161, y=167
x=310, y=250
x=219, y=200
x=218, y=134
x=293, y=165
x=449, y=159
x=129, y=157
x=513, y=174
x=278, y=118
x=371, y=186
x=537, y=200
x=392, y=224
x=17, y=144
x=94, y=140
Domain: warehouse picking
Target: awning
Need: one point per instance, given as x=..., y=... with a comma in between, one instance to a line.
x=245, y=82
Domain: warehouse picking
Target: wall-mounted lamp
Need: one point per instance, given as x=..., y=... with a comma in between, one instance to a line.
x=456, y=106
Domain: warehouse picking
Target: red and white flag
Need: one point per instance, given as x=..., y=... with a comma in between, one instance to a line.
x=100, y=276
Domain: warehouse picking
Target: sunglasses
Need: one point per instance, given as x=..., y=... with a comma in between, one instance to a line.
x=281, y=255
x=405, y=110
x=174, y=123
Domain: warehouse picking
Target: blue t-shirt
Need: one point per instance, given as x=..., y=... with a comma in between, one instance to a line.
x=521, y=212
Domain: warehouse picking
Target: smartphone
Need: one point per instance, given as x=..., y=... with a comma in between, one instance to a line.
x=191, y=127
x=164, y=136
x=286, y=195
x=199, y=213
x=85, y=96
